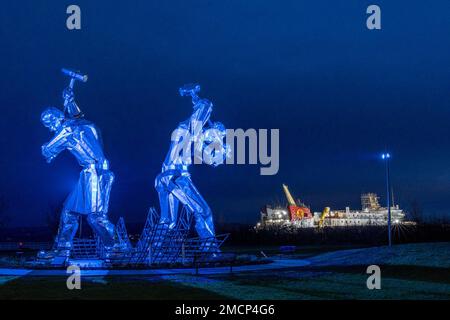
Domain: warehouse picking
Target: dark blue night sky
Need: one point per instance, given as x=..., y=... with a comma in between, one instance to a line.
x=338, y=92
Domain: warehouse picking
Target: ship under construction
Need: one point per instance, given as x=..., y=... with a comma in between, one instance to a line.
x=297, y=214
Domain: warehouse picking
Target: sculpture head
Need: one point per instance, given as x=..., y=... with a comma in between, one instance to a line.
x=190, y=89
x=215, y=132
x=52, y=118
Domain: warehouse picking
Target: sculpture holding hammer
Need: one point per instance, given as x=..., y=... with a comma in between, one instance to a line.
x=91, y=194
x=191, y=141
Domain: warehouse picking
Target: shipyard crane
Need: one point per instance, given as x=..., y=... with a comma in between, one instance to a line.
x=297, y=211
x=325, y=213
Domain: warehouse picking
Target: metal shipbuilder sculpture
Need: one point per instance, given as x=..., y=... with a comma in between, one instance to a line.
x=91, y=194
x=195, y=140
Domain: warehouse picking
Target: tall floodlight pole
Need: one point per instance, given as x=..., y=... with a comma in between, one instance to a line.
x=386, y=157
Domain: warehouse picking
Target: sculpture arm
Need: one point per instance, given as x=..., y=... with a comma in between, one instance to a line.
x=199, y=145
x=198, y=120
x=71, y=108
x=200, y=117
x=59, y=142
x=215, y=151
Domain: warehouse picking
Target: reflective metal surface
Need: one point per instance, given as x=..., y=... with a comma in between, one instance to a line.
x=91, y=194
x=190, y=140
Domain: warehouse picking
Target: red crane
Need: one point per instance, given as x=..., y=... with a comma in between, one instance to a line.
x=297, y=211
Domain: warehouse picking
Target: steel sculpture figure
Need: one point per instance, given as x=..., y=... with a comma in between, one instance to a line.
x=197, y=140
x=91, y=194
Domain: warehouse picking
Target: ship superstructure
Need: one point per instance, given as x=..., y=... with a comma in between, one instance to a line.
x=297, y=214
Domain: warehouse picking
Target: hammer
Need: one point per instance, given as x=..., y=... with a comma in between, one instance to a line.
x=190, y=89
x=74, y=75
x=73, y=109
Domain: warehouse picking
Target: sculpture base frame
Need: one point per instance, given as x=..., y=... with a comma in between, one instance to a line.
x=159, y=245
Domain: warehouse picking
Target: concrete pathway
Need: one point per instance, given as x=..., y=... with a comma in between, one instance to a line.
x=275, y=265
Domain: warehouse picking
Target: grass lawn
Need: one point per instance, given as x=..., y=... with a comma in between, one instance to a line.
x=412, y=271
x=38, y=288
x=299, y=252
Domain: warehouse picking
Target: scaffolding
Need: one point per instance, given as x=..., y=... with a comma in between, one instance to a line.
x=122, y=234
x=163, y=244
x=85, y=249
x=369, y=201
x=196, y=250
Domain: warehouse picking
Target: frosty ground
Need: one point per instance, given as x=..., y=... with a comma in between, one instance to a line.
x=409, y=271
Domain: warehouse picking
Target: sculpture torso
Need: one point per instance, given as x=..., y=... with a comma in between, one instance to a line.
x=82, y=139
x=85, y=143
x=187, y=138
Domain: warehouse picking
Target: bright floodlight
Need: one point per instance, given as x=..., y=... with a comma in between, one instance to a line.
x=385, y=156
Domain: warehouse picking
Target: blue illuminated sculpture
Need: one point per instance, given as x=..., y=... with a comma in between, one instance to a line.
x=195, y=140
x=91, y=194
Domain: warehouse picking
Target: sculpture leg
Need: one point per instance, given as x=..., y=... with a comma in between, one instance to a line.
x=68, y=226
x=173, y=210
x=164, y=206
x=168, y=203
x=184, y=190
x=100, y=223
